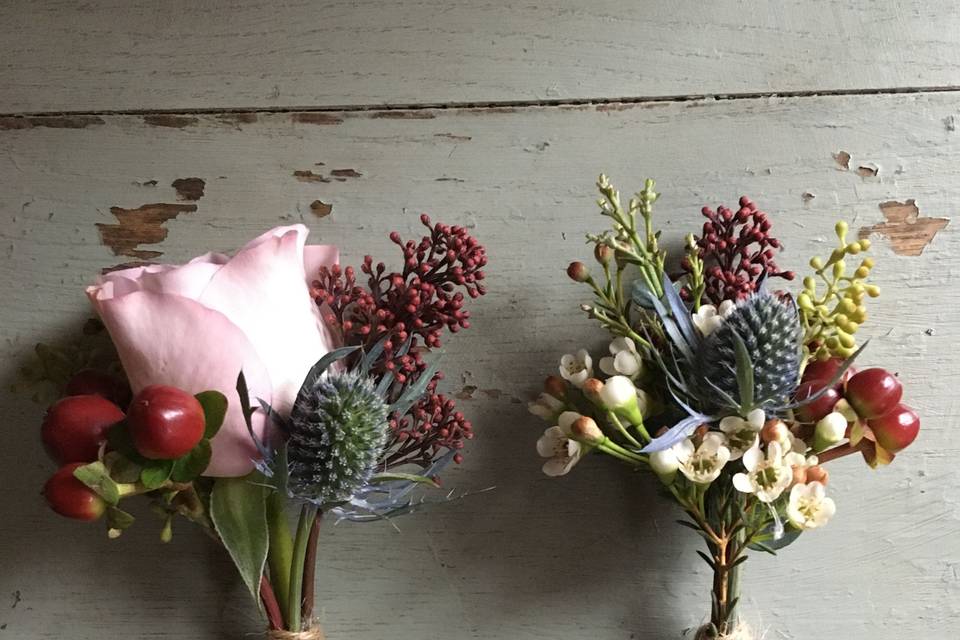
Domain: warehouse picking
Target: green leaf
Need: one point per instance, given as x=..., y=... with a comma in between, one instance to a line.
x=214, y=406
x=118, y=519
x=118, y=437
x=155, y=473
x=744, y=374
x=122, y=469
x=193, y=464
x=409, y=477
x=239, y=513
x=96, y=476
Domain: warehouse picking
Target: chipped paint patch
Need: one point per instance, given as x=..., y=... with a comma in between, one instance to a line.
x=189, y=188
x=466, y=393
x=309, y=176
x=52, y=122
x=145, y=183
x=143, y=225
x=341, y=175
x=169, y=120
x=450, y=136
x=310, y=117
x=399, y=114
x=842, y=159
x=238, y=118
x=125, y=265
x=321, y=209
x=909, y=234
x=446, y=179
x=868, y=170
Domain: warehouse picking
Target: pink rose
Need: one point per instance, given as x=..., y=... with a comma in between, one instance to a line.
x=197, y=325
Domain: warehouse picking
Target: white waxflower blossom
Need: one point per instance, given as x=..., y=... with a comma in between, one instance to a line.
x=576, y=368
x=767, y=476
x=546, y=407
x=809, y=508
x=664, y=463
x=623, y=359
x=742, y=433
x=557, y=444
x=709, y=318
x=703, y=464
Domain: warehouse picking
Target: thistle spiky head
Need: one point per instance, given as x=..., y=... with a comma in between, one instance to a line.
x=769, y=327
x=337, y=431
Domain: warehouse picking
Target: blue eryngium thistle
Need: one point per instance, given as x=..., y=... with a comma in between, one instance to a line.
x=337, y=430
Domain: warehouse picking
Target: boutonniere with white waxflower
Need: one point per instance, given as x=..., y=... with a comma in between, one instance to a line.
x=734, y=394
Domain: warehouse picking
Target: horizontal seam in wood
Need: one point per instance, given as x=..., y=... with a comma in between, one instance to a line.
x=496, y=104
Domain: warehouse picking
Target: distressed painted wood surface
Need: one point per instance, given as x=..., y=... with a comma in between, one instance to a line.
x=595, y=554
x=118, y=54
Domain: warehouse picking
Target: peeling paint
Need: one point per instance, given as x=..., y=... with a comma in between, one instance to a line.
x=312, y=117
x=445, y=179
x=189, y=188
x=466, y=393
x=145, y=183
x=451, y=136
x=143, y=225
x=52, y=122
x=169, y=120
x=309, y=176
x=843, y=160
x=125, y=265
x=806, y=196
x=321, y=209
x=342, y=174
x=868, y=170
x=908, y=233
x=238, y=118
x=400, y=114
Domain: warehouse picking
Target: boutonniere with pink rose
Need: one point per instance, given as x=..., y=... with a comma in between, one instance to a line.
x=234, y=391
x=734, y=394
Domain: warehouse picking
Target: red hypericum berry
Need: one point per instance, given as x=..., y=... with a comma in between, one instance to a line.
x=71, y=498
x=76, y=426
x=815, y=409
x=896, y=429
x=165, y=422
x=873, y=392
x=823, y=371
x=98, y=383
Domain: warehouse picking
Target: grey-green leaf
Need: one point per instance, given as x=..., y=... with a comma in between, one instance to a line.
x=405, y=477
x=239, y=513
x=744, y=374
x=96, y=476
x=214, y=406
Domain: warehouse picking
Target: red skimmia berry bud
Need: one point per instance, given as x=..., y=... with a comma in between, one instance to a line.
x=578, y=271
x=873, y=392
x=897, y=429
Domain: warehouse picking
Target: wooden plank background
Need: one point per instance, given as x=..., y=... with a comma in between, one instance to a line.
x=593, y=554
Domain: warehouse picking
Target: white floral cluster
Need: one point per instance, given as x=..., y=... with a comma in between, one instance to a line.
x=774, y=465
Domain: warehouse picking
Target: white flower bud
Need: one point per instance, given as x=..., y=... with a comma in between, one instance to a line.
x=617, y=392
x=665, y=464
x=830, y=430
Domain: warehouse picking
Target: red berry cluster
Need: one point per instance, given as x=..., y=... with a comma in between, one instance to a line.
x=874, y=394
x=737, y=248
x=164, y=423
x=415, y=304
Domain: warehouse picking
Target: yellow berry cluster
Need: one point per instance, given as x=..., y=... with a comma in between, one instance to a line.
x=832, y=315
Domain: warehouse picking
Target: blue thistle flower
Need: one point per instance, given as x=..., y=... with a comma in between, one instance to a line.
x=337, y=430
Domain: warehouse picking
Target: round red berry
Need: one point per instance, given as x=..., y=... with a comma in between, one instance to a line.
x=897, y=429
x=93, y=382
x=76, y=426
x=814, y=410
x=165, y=422
x=71, y=498
x=823, y=371
x=873, y=392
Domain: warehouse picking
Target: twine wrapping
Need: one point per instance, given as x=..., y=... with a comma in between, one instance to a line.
x=313, y=633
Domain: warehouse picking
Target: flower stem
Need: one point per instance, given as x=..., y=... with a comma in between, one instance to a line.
x=295, y=601
x=310, y=568
x=280, y=555
x=270, y=605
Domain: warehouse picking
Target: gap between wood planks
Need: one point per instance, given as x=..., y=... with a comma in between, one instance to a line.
x=496, y=104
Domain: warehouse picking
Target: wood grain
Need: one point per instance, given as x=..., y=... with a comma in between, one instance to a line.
x=244, y=54
x=594, y=554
